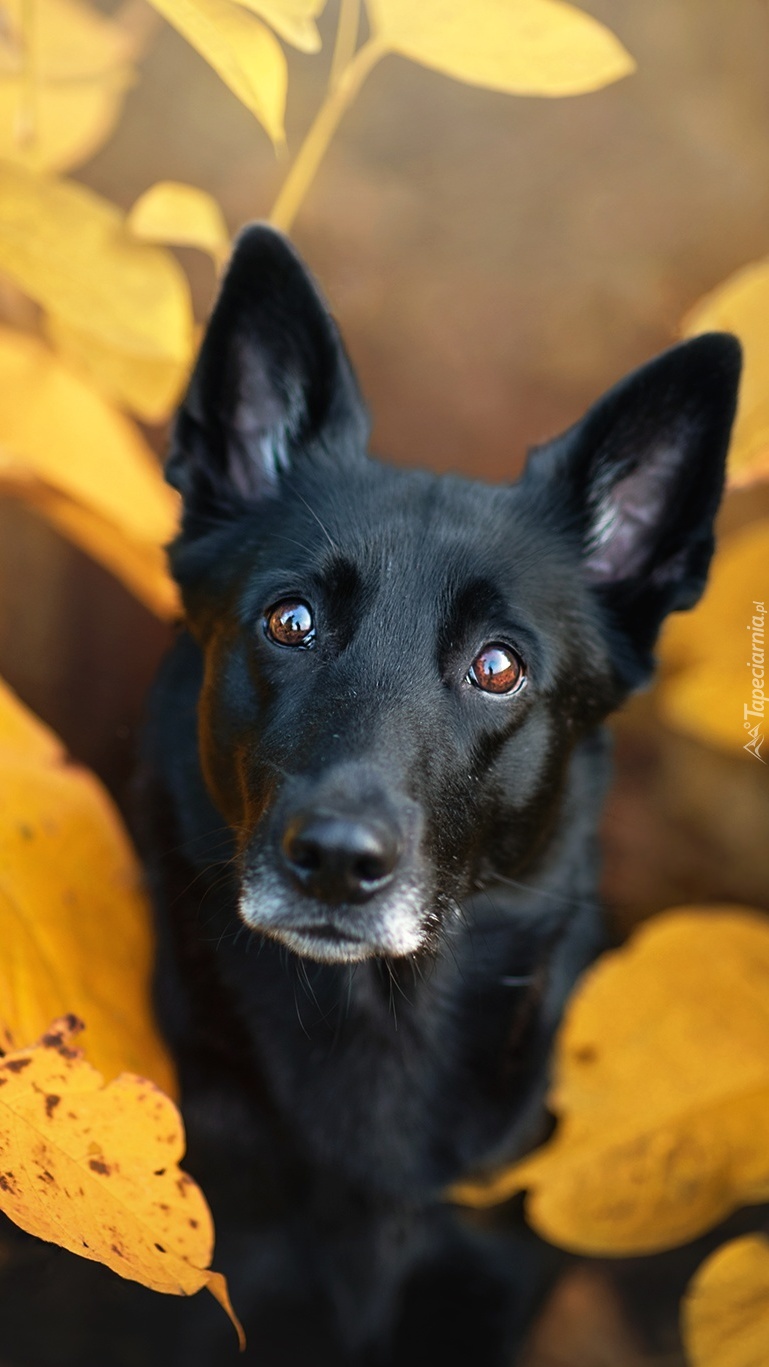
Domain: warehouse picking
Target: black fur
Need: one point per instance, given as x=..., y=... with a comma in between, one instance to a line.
x=344, y=1059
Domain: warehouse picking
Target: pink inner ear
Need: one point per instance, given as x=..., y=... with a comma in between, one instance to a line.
x=629, y=517
x=259, y=421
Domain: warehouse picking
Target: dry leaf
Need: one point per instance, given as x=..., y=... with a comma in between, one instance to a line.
x=74, y=921
x=661, y=1091
x=181, y=215
x=707, y=654
x=741, y=305
x=128, y=302
x=725, y=1313
x=82, y=70
x=294, y=20
x=525, y=47
x=94, y=1168
x=245, y=54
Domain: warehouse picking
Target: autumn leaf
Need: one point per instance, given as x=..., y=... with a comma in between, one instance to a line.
x=139, y=565
x=119, y=306
x=741, y=305
x=94, y=1168
x=56, y=114
x=148, y=387
x=706, y=654
x=84, y=466
x=662, y=1081
x=241, y=50
x=294, y=20
x=74, y=921
x=181, y=215
x=524, y=47
x=725, y=1313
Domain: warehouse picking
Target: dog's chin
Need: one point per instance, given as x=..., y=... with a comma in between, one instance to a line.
x=311, y=943
x=394, y=927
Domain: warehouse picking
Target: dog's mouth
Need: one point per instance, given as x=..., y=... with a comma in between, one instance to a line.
x=325, y=943
x=392, y=924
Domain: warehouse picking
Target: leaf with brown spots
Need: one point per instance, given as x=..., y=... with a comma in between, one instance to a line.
x=67, y=871
x=97, y=1172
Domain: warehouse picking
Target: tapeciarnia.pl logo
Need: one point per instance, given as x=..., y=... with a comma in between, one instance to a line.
x=756, y=708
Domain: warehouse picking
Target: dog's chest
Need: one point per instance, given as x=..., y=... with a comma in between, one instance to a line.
x=397, y=1083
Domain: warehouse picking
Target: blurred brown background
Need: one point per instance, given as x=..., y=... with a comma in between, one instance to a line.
x=495, y=263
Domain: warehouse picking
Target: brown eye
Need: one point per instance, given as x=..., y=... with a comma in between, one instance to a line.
x=290, y=623
x=497, y=669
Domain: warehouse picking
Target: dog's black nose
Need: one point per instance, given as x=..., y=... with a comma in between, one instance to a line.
x=337, y=858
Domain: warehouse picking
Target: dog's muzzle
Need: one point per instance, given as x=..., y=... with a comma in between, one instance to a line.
x=338, y=875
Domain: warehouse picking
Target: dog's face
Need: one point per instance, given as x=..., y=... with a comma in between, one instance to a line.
x=398, y=666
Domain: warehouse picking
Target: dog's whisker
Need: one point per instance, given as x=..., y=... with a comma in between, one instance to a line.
x=313, y=513
x=567, y=902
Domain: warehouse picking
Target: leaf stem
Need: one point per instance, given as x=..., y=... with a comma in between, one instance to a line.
x=321, y=131
x=25, y=130
x=346, y=39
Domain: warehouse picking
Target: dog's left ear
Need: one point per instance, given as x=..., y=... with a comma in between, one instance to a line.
x=272, y=384
x=640, y=479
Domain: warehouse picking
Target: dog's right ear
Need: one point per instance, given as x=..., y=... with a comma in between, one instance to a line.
x=272, y=382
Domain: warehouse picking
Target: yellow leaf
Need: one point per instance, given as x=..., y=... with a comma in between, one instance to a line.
x=74, y=921
x=81, y=68
x=524, y=47
x=70, y=121
x=741, y=305
x=149, y=388
x=245, y=54
x=707, y=654
x=85, y=467
x=140, y=565
x=127, y=301
x=23, y=734
x=181, y=215
x=294, y=20
x=661, y=1091
x=94, y=1167
x=725, y=1313
x=56, y=428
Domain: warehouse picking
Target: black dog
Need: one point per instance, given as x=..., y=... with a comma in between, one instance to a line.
x=375, y=767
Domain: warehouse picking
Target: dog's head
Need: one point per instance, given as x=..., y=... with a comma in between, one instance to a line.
x=398, y=666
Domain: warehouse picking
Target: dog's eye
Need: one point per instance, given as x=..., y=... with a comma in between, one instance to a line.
x=290, y=623
x=497, y=669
